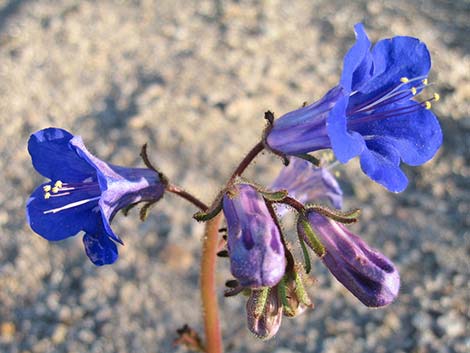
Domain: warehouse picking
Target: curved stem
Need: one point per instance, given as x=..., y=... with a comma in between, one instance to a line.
x=208, y=286
x=299, y=207
x=246, y=161
x=187, y=196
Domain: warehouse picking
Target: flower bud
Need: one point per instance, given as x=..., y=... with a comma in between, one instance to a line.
x=256, y=252
x=365, y=272
x=307, y=183
x=265, y=323
x=297, y=299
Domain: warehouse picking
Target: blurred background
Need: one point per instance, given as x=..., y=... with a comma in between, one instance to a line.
x=193, y=79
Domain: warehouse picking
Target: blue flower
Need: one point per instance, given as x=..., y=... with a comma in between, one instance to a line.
x=254, y=244
x=307, y=184
x=84, y=194
x=371, y=113
x=364, y=271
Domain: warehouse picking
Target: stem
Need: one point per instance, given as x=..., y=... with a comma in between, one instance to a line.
x=300, y=208
x=187, y=196
x=246, y=161
x=208, y=263
x=208, y=286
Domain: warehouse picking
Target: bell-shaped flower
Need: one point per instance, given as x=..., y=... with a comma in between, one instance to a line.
x=364, y=271
x=257, y=257
x=372, y=113
x=84, y=194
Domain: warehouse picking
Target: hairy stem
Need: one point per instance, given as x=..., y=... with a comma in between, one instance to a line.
x=187, y=196
x=208, y=286
x=246, y=161
x=208, y=266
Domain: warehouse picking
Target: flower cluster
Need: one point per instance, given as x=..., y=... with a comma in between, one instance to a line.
x=257, y=256
x=372, y=113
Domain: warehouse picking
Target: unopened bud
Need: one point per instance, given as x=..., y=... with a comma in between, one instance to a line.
x=297, y=297
x=265, y=323
x=257, y=257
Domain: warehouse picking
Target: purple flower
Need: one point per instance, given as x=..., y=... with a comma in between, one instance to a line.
x=365, y=272
x=254, y=240
x=84, y=194
x=307, y=184
x=371, y=113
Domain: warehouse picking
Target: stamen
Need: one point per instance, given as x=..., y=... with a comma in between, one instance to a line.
x=88, y=189
x=436, y=96
x=397, y=96
x=425, y=81
x=328, y=156
x=387, y=95
x=386, y=114
x=413, y=91
x=71, y=205
x=427, y=105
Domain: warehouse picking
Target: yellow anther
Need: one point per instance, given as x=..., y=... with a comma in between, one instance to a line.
x=46, y=188
x=328, y=156
x=436, y=96
x=427, y=105
x=337, y=174
x=58, y=184
x=404, y=79
x=425, y=81
x=47, y=195
x=55, y=190
x=413, y=91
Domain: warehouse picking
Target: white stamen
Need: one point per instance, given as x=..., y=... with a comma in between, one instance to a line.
x=392, y=94
x=71, y=205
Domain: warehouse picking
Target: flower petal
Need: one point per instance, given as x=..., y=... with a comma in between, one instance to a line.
x=108, y=210
x=51, y=218
x=100, y=249
x=104, y=170
x=357, y=62
x=345, y=144
x=396, y=58
x=307, y=184
x=381, y=162
x=416, y=136
x=52, y=156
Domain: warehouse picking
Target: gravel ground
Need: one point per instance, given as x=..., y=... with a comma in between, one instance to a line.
x=193, y=78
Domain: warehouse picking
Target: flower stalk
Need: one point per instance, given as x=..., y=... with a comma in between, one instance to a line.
x=209, y=261
x=210, y=306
